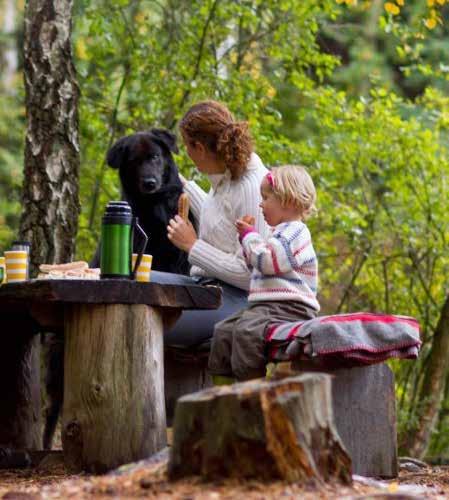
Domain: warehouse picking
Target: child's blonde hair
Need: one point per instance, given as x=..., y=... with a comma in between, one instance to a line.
x=292, y=185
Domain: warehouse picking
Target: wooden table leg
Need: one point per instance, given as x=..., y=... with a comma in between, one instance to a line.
x=114, y=410
x=20, y=408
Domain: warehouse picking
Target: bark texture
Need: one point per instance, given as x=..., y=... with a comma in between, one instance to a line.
x=114, y=411
x=282, y=429
x=432, y=389
x=51, y=169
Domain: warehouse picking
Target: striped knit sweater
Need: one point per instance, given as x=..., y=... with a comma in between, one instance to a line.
x=284, y=267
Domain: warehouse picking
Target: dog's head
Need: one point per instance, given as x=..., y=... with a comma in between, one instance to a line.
x=145, y=161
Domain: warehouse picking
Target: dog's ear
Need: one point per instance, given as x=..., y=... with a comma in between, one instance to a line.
x=118, y=153
x=165, y=137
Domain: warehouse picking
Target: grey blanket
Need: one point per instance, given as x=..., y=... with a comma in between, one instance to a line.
x=362, y=338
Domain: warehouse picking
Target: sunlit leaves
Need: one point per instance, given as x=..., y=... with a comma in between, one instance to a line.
x=392, y=8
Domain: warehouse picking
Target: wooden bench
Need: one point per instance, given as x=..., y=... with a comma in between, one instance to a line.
x=114, y=409
x=363, y=400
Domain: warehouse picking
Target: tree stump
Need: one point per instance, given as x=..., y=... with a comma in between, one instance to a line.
x=364, y=407
x=281, y=429
x=114, y=410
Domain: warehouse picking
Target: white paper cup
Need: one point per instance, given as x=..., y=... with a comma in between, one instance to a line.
x=143, y=272
x=16, y=262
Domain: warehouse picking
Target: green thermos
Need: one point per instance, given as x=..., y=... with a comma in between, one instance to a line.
x=117, y=232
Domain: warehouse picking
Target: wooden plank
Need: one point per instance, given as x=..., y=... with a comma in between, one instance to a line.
x=18, y=296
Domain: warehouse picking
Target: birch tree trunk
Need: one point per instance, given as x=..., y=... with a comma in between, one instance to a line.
x=51, y=170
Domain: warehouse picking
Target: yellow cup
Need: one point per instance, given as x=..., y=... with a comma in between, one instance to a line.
x=16, y=262
x=143, y=272
x=2, y=270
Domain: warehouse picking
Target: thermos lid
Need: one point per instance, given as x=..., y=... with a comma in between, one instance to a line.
x=118, y=212
x=118, y=208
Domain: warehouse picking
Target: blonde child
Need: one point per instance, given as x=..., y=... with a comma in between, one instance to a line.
x=284, y=274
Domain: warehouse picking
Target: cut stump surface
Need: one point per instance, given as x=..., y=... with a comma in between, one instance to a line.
x=279, y=429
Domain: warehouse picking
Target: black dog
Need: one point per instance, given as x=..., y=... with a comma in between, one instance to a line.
x=151, y=185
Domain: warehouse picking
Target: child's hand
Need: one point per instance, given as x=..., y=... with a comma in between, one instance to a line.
x=249, y=219
x=244, y=224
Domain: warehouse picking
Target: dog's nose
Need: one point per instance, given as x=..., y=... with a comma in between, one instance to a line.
x=149, y=183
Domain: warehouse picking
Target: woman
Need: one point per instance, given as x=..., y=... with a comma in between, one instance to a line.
x=221, y=148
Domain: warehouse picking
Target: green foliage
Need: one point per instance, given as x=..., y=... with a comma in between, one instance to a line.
x=143, y=63
x=12, y=127
x=398, y=52
x=11, y=160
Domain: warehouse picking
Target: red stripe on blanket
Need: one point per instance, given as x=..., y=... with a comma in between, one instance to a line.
x=367, y=317
x=294, y=330
x=271, y=330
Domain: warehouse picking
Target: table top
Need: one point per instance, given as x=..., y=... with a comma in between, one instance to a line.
x=19, y=296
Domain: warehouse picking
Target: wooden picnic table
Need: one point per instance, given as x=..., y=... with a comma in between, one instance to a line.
x=114, y=410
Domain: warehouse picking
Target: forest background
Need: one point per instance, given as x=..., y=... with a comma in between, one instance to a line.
x=355, y=90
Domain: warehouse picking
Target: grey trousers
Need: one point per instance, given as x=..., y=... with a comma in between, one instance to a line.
x=238, y=344
x=197, y=326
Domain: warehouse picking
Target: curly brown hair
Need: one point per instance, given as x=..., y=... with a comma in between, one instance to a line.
x=212, y=124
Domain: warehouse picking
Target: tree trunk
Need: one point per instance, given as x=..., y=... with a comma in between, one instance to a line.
x=51, y=170
x=260, y=429
x=114, y=411
x=433, y=385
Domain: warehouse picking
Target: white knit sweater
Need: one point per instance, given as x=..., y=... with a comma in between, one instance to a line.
x=217, y=253
x=284, y=267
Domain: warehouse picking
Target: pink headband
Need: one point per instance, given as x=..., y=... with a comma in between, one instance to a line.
x=270, y=179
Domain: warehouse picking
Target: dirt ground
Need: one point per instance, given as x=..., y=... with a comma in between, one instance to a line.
x=149, y=480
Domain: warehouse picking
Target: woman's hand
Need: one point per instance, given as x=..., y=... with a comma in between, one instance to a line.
x=182, y=234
